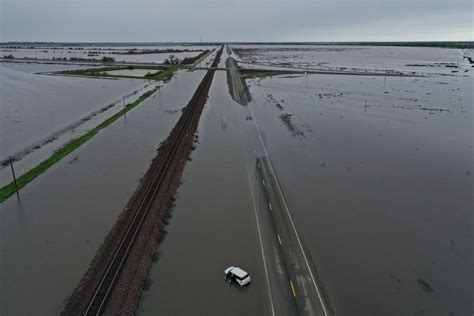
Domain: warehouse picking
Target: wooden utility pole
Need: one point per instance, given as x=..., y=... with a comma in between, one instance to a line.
x=124, y=107
x=14, y=178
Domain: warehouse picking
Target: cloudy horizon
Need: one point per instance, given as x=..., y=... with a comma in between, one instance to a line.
x=234, y=21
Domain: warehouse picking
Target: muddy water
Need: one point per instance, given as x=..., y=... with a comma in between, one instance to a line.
x=34, y=106
x=382, y=195
x=48, y=53
x=44, y=67
x=48, y=238
x=360, y=58
x=213, y=224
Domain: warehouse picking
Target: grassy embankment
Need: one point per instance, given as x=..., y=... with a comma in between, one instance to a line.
x=66, y=149
x=159, y=74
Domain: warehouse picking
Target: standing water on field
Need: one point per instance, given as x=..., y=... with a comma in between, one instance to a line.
x=378, y=174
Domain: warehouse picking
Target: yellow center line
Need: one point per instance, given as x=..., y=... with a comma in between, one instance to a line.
x=279, y=239
x=293, y=288
x=270, y=206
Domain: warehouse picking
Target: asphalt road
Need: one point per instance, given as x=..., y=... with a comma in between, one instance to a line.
x=293, y=277
x=299, y=272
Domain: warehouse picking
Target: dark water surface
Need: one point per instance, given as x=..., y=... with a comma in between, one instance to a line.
x=48, y=239
x=382, y=197
x=213, y=224
x=33, y=106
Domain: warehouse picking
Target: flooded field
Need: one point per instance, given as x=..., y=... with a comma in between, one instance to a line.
x=378, y=174
x=35, y=106
x=48, y=239
x=135, y=54
x=375, y=171
x=356, y=58
x=40, y=67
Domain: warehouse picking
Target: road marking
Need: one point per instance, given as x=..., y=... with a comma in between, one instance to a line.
x=289, y=215
x=279, y=239
x=260, y=239
x=270, y=206
x=263, y=182
x=293, y=288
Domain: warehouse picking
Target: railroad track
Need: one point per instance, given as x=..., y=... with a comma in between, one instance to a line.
x=98, y=301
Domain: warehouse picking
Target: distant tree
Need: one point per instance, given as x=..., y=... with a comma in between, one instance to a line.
x=8, y=56
x=173, y=60
x=190, y=60
x=106, y=59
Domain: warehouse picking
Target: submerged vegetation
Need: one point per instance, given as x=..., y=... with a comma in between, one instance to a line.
x=66, y=149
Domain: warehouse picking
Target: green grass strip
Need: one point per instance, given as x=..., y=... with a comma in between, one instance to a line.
x=66, y=149
x=164, y=75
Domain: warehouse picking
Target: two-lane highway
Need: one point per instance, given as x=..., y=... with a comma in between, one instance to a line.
x=302, y=279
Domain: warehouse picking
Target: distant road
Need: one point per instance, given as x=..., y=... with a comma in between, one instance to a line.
x=308, y=70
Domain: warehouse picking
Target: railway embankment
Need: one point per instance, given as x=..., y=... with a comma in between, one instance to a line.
x=117, y=275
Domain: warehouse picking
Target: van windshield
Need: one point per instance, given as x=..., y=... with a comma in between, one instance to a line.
x=242, y=277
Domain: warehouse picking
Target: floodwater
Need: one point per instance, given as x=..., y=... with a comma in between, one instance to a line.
x=49, y=237
x=33, y=106
x=378, y=175
x=355, y=58
x=98, y=52
x=39, y=67
x=221, y=219
x=376, y=172
x=133, y=72
x=214, y=225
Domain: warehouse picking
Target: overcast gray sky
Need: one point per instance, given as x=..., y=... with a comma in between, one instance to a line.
x=231, y=20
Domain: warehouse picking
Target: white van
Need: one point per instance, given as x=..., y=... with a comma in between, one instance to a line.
x=238, y=275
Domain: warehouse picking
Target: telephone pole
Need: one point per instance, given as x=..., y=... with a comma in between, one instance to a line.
x=14, y=178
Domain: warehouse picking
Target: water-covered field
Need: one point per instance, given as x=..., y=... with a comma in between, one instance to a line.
x=356, y=58
x=136, y=53
x=34, y=105
x=378, y=172
x=48, y=239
